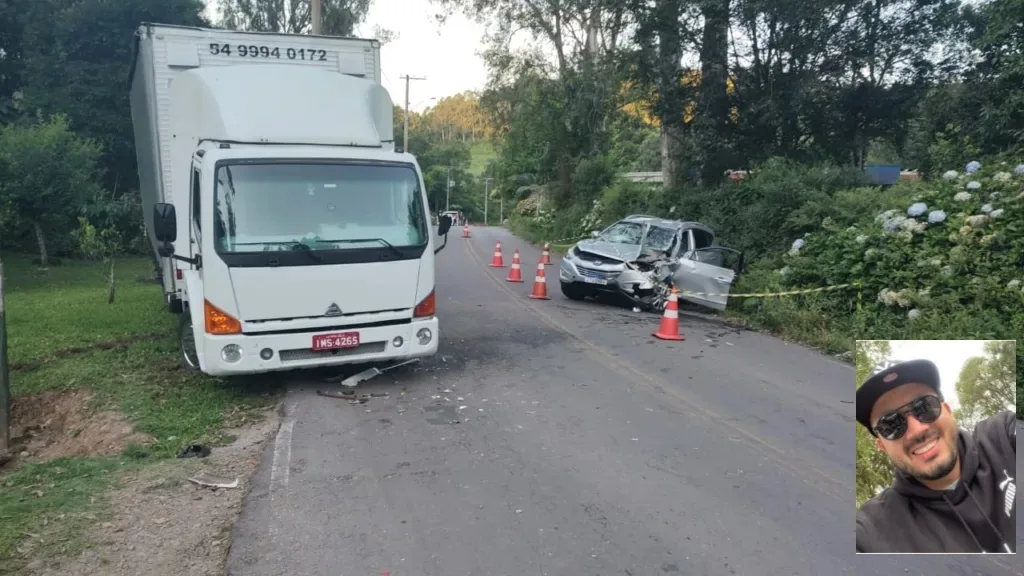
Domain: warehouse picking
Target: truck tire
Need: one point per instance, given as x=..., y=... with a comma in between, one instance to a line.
x=187, y=341
x=573, y=292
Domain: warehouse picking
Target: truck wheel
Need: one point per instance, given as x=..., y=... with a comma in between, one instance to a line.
x=573, y=292
x=187, y=341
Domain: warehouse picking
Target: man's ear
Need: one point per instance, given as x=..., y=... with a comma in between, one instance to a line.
x=879, y=445
x=948, y=408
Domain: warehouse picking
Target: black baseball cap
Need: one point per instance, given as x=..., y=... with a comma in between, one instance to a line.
x=920, y=371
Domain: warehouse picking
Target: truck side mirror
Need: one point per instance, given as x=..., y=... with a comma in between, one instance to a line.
x=444, y=224
x=594, y=233
x=165, y=223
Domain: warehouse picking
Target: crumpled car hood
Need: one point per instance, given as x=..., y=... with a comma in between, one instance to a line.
x=612, y=251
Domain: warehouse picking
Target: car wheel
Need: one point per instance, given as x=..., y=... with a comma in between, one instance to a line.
x=573, y=292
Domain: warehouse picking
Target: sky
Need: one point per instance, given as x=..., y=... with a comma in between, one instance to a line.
x=446, y=55
x=948, y=355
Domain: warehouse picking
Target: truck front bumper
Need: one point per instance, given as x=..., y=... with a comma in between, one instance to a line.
x=248, y=353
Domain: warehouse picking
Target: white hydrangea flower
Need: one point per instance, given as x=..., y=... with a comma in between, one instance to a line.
x=1019, y=170
x=977, y=221
x=973, y=166
x=862, y=239
x=1001, y=177
x=917, y=209
x=913, y=313
x=1013, y=283
x=784, y=271
x=973, y=185
x=996, y=213
x=950, y=175
x=994, y=196
x=936, y=217
x=962, y=196
x=987, y=208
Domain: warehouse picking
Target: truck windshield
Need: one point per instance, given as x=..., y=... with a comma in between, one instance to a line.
x=309, y=206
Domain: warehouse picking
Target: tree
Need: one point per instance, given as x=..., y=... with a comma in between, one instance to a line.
x=47, y=174
x=340, y=17
x=874, y=471
x=76, y=57
x=987, y=383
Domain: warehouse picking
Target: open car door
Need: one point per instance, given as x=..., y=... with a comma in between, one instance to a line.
x=704, y=272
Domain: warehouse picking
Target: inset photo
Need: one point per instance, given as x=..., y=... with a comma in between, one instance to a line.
x=936, y=447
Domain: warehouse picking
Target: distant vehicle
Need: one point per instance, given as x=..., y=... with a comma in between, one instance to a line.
x=305, y=239
x=457, y=217
x=642, y=257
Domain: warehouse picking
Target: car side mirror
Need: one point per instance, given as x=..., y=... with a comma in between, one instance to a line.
x=594, y=233
x=165, y=223
x=444, y=224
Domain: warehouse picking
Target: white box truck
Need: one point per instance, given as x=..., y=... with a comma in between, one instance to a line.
x=290, y=233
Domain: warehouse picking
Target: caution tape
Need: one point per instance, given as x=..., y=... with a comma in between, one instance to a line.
x=773, y=294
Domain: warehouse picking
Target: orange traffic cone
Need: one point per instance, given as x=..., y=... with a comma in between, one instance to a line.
x=497, y=261
x=545, y=258
x=465, y=231
x=515, y=274
x=669, y=329
x=540, y=284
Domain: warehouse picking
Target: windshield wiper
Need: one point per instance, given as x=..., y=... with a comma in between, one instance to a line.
x=309, y=251
x=381, y=240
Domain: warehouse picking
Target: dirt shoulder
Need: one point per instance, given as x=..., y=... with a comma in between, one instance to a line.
x=161, y=524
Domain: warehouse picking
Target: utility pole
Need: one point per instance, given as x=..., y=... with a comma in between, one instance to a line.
x=316, y=17
x=405, y=117
x=487, y=188
x=448, y=194
x=5, y=381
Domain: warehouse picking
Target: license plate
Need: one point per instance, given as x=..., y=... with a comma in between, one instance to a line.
x=336, y=340
x=590, y=280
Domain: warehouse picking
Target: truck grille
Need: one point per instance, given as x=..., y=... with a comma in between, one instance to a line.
x=309, y=354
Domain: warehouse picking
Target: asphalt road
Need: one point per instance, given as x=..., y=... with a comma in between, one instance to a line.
x=560, y=438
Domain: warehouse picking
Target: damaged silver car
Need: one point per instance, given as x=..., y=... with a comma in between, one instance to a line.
x=642, y=257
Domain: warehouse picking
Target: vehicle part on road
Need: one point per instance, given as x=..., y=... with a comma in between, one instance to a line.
x=497, y=261
x=339, y=395
x=211, y=481
x=545, y=258
x=515, y=273
x=540, y=284
x=365, y=375
x=195, y=451
x=669, y=328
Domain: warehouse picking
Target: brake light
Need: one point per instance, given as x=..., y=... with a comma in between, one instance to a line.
x=425, y=309
x=219, y=322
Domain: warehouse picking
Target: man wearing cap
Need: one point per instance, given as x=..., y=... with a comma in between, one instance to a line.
x=953, y=491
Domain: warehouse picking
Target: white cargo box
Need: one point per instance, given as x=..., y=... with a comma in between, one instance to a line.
x=162, y=52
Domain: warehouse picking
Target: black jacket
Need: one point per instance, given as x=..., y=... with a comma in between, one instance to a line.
x=978, y=516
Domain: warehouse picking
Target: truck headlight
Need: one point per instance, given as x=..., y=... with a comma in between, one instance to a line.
x=397, y=341
x=231, y=353
x=423, y=336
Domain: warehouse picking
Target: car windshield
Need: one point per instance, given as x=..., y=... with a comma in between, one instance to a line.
x=658, y=237
x=331, y=206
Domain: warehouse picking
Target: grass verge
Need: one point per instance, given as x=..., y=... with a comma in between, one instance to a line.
x=64, y=337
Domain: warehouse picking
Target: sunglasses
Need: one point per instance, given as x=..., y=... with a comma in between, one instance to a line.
x=893, y=425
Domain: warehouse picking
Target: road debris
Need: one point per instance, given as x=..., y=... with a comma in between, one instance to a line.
x=340, y=395
x=211, y=481
x=355, y=379
x=195, y=451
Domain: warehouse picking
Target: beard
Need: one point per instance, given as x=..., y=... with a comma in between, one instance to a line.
x=933, y=470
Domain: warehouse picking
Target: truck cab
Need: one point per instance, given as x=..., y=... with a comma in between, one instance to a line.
x=298, y=237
